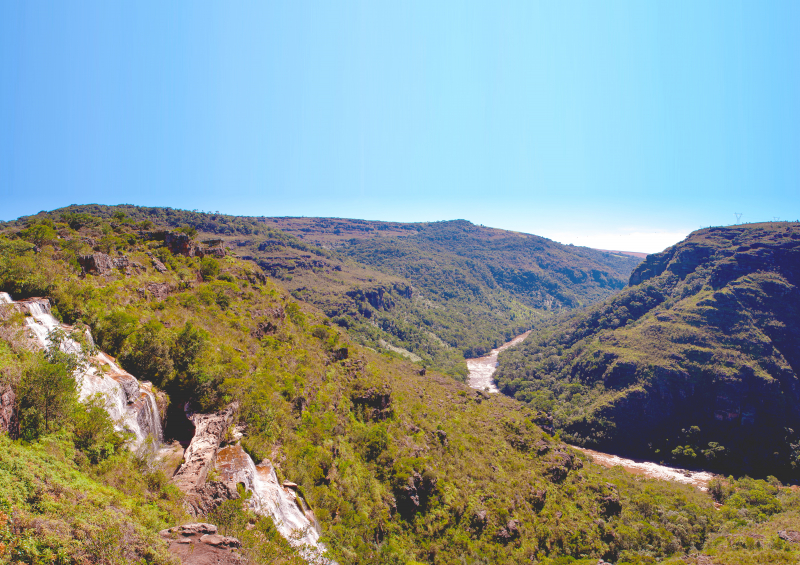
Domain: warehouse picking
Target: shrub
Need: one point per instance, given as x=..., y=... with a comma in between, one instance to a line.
x=209, y=268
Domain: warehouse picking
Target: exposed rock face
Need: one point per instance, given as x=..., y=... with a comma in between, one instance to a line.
x=537, y=498
x=159, y=291
x=158, y=265
x=8, y=420
x=381, y=297
x=790, y=535
x=199, y=544
x=182, y=244
x=102, y=264
x=373, y=404
x=413, y=496
x=131, y=404
x=179, y=244
x=199, y=456
x=509, y=532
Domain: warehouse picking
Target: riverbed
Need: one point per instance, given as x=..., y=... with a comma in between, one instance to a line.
x=481, y=371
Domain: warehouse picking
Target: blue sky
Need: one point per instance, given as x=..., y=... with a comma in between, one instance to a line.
x=610, y=124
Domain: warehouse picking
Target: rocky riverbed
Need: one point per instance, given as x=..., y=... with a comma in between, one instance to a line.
x=481, y=371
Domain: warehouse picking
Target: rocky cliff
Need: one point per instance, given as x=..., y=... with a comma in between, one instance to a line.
x=698, y=360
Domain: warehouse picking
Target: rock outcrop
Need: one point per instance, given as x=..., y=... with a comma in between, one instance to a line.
x=182, y=244
x=102, y=264
x=199, y=457
x=200, y=544
x=373, y=404
x=130, y=403
x=269, y=497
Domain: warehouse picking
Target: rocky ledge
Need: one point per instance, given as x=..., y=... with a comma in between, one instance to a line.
x=199, y=544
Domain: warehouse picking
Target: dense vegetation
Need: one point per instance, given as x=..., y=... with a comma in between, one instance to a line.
x=697, y=362
x=399, y=466
x=378, y=449
x=435, y=292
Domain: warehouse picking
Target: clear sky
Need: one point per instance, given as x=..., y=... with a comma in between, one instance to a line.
x=619, y=125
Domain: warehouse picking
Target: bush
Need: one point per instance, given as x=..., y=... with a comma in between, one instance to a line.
x=209, y=268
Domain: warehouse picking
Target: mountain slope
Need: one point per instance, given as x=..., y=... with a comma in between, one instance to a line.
x=697, y=361
x=434, y=292
x=377, y=449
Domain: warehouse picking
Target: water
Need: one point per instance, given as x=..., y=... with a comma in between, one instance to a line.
x=131, y=404
x=699, y=479
x=481, y=369
x=293, y=519
x=480, y=377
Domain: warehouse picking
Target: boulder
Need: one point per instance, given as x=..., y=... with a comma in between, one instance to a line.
x=96, y=263
x=789, y=535
x=200, y=544
x=509, y=532
x=179, y=244
x=373, y=404
x=158, y=265
x=159, y=291
x=561, y=463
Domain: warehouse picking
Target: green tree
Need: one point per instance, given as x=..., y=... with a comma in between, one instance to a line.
x=46, y=397
x=209, y=268
x=147, y=353
x=94, y=431
x=38, y=234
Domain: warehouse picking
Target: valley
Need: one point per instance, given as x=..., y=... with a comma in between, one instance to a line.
x=314, y=390
x=481, y=377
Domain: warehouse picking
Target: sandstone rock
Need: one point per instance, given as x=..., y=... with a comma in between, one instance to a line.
x=199, y=457
x=200, y=544
x=537, y=498
x=509, y=532
x=414, y=495
x=789, y=535
x=96, y=263
x=179, y=244
x=159, y=291
x=479, y=520
x=158, y=265
x=611, y=505
x=561, y=463
x=220, y=541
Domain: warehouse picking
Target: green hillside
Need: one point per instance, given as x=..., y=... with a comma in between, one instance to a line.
x=399, y=467
x=697, y=362
x=434, y=292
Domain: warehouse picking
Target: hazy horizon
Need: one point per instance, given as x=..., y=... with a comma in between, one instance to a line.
x=619, y=125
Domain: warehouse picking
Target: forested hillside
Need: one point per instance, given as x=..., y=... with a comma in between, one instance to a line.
x=399, y=466
x=697, y=362
x=434, y=293
x=377, y=448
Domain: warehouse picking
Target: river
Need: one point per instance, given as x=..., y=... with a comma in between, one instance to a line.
x=481, y=370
